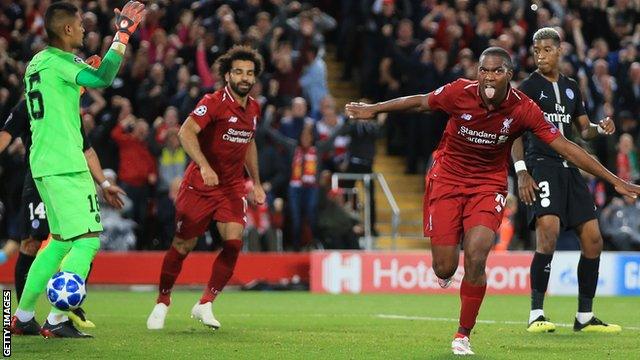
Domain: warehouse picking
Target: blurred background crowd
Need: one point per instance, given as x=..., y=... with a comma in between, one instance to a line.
x=388, y=48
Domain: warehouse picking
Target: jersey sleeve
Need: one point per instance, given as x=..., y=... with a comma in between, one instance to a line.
x=18, y=120
x=69, y=66
x=204, y=113
x=535, y=122
x=441, y=98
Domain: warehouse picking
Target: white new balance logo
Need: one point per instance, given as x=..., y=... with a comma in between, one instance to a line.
x=466, y=117
x=233, y=119
x=342, y=273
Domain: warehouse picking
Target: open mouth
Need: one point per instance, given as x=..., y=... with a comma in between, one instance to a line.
x=489, y=91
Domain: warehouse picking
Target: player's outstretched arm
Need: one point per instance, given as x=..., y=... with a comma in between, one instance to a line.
x=188, y=136
x=358, y=110
x=583, y=160
x=126, y=21
x=526, y=184
x=589, y=130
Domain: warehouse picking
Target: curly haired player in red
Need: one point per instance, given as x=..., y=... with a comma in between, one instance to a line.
x=219, y=136
x=466, y=186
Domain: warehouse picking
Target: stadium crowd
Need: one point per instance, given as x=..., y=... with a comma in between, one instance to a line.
x=390, y=47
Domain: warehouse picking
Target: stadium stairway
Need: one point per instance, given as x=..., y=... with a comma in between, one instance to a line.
x=407, y=189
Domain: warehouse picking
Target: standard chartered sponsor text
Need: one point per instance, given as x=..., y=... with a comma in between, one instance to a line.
x=238, y=136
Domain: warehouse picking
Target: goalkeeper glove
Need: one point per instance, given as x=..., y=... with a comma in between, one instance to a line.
x=127, y=20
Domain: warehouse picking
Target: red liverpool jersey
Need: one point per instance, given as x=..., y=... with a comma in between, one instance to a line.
x=475, y=148
x=227, y=130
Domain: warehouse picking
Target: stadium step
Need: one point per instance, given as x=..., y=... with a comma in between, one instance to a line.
x=405, y=228
x=403, y=243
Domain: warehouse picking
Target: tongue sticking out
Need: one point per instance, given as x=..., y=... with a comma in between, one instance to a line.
x=490, y=92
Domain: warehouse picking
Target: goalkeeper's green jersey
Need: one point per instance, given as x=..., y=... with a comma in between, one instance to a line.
x=53, y=100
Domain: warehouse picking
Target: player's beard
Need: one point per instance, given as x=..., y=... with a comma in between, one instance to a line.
x=242, y=91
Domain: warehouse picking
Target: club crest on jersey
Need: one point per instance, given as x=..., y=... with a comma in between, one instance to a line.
x=570, y=94
x=506, y=124
x=233, y=119
x=438, y=91
x=466, y=117
x=200, y=110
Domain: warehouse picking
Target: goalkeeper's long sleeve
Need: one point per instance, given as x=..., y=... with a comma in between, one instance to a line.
x=104, y=75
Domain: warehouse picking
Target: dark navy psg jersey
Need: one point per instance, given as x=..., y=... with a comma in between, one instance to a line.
x=561, y=104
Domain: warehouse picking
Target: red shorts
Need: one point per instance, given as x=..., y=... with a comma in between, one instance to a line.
x=195, y=210
x=450, y=210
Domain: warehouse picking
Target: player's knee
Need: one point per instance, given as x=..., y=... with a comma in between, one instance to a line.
x=546, y=237
x=592, y=246
x=30, y=247
x=474, y=264
x=184, y=246
x=444, y=270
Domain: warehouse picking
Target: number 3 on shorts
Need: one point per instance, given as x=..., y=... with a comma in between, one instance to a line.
x=544, y=194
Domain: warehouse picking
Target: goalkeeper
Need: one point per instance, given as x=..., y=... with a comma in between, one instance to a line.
x=53, y=79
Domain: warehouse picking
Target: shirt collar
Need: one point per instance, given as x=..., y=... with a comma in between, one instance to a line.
x=228, y=97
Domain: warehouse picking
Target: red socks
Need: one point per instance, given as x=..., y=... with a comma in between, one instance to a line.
x=471, y=297
x=171, y=267
x=222, y=269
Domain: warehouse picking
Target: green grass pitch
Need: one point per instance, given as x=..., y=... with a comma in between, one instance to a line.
x=300, y=325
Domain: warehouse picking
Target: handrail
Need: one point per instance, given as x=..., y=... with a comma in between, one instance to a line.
x=366, y=178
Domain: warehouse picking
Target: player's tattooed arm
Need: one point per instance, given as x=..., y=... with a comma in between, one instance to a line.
x=188, y=136
x=584, y=161
x=526, y=184
x=414, y=103
x=589, y=130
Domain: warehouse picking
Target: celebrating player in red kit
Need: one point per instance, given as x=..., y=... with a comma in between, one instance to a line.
x=466, y=186
x=219, y=136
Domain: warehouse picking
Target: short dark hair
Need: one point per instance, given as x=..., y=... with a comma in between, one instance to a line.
x=55, y=13
x=240, y=52
x=547, y=33
x=500, y=52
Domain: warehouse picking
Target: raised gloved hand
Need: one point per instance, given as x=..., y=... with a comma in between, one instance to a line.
x=127, y=20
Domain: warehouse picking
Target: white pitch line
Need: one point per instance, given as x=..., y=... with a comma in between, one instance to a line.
x=507, y=322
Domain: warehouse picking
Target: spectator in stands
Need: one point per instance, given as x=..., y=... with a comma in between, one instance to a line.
x=291, y=125
x=326, y=126
x=627, y=159
x=361, y=154
x=620, y=222
x=138, y=170
x=171, y=162
x=118, y=231
x=338, y=227
x=304, y=158
x=153, y=94
x=314, y=78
